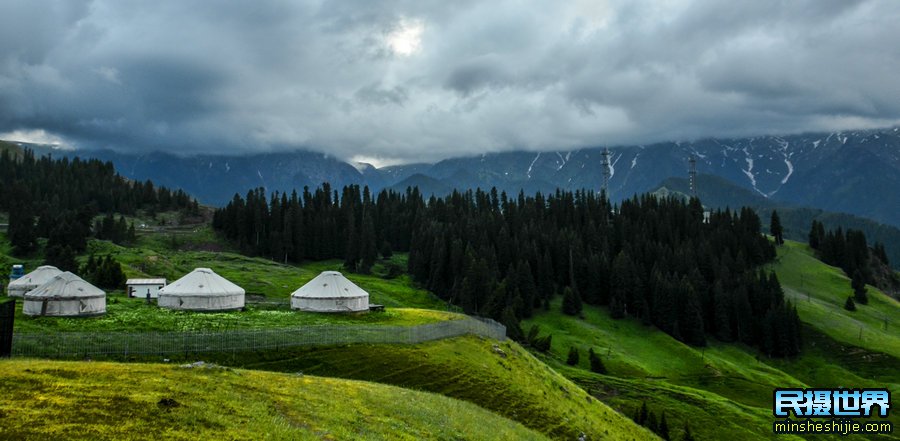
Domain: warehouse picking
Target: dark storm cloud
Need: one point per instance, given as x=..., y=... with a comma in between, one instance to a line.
x=413, y=80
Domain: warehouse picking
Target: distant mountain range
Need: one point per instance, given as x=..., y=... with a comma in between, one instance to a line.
x=855, y=172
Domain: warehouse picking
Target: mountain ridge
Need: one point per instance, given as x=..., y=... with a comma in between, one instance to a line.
x=855, y=172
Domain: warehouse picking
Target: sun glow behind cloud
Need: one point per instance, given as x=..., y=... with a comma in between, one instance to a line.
x=406, y=37
x=39, y=136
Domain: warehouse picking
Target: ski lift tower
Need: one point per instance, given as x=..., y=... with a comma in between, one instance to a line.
x=692, y=175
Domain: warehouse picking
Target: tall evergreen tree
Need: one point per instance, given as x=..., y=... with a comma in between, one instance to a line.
x=776, y=229
x=663, y=431
x=21, y=230
x=596, y=363
x=572, y=358
x=571, y=304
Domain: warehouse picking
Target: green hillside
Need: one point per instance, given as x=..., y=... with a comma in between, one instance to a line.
x=99, y=401
x=501, y=377
x=514, y=384
x=725, y=390
x=819, y=291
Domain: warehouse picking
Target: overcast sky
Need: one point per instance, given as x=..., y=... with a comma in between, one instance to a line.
x=419, y=81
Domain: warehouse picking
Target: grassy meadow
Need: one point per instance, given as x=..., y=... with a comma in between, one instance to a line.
x=109, y=401
x=502, y=377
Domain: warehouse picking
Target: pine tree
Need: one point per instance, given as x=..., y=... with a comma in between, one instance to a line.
x=513, y=330
x=571, y=304
x=850, y=305
x=651, y=422
x=881, y=254
x=643, y=414
x=663, y=431
x=596, y=363
x=691, y=322
x=572, y=358
x=776, y=229
x=368, y=251
x=62, y=257
x=21, y=230
x=813, y=236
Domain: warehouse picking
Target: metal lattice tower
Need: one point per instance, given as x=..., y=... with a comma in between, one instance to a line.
x=606, y=175
x=692, y=175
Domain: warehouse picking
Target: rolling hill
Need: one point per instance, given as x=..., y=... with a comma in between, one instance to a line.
x=106, y=401
x=725, y=390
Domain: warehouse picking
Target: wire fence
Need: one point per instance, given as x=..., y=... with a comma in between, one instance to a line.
x=80, y=345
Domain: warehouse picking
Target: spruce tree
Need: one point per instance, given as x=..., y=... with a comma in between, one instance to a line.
x=643, y=414
x=652, y=424
x=571, y=304
x=596, y=363
x=21, y=230
x=572, y=358
x=691, y=322
x=813, y=236
x=776, y=229
x=850, y=305
x=663, y=431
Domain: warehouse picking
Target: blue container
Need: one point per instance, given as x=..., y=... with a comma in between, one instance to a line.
x=17, y=272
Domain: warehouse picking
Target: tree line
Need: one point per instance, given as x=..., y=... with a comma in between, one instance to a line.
x=656, y=260
x=849, y=251
x=58, y=199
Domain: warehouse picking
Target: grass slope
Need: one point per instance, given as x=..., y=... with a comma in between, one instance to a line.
x=513, y=384
x=97, y=401
x=725, y=390
x=819, y=291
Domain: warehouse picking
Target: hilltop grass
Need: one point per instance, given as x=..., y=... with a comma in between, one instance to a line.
x=512, y=383
x=100, y=401
x=819, y=291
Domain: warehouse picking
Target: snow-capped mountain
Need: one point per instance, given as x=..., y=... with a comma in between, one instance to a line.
x=856, y=172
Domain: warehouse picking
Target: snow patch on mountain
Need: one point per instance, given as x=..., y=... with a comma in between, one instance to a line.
x=790, y=167
x=531, y=166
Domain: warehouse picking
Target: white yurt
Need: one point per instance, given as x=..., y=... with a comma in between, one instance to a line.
x=32, y=280
x=330, y=292
x=65, y=295
x=202, y=290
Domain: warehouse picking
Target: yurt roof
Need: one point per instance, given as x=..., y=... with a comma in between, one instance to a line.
x=65, y=286
x=329, y=285
x=201, y=282
x=38, y=277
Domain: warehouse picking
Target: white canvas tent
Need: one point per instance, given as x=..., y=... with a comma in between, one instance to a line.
x=32, y=280
x=65, y=295
x=330, y=292
x=202, y=290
